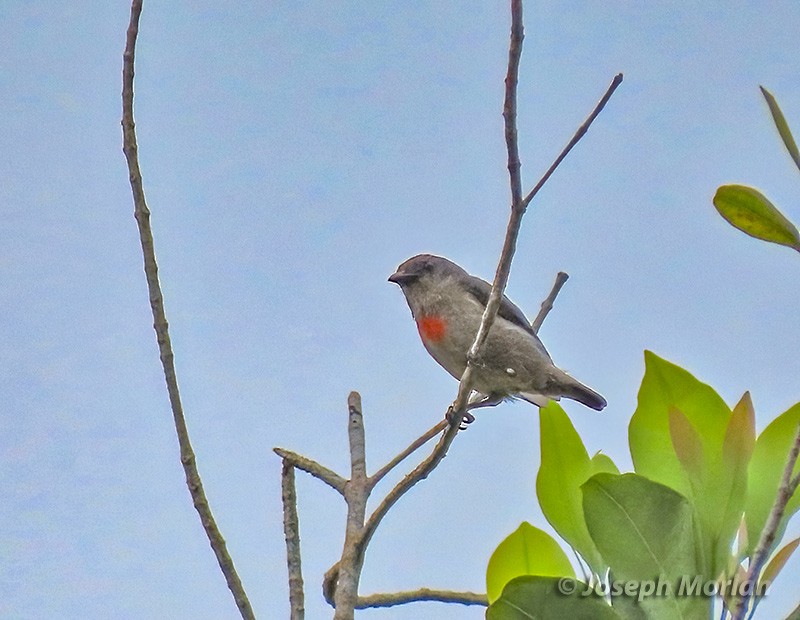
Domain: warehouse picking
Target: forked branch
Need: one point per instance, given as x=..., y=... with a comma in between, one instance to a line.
x=333, y=580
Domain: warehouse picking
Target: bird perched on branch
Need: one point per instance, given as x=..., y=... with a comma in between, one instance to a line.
x=447, y=304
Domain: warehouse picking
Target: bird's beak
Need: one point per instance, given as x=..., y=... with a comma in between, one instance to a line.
x=400, y=278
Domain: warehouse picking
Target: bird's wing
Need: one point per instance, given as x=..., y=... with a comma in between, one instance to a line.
x=480, y=290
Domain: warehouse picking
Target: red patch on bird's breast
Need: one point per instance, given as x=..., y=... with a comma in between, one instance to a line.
x=432, y=328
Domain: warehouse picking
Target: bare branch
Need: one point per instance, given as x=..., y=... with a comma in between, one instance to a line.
x=355, y=494
x=420, y=472
x=415, y=445
x=517, y=209
x=358, y=464
x=510, y=102
x=547, y=304
x=310, y=466
x=423, y=594
x=142, y=215
x=575, y=139
x=345, y=573
x=501, y=276
x=329, y=584
x=291, y=530
x=767, y=538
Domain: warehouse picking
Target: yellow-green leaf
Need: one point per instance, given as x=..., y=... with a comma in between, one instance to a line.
x=740, y=437
x=686, y=442
x=782, y=125
x=602, y=462
x=565, y=467
x=749, y=210
x=666, y=386
x=778, y=562
x=527, y=551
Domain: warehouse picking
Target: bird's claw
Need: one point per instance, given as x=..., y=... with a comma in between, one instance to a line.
x=466, y=418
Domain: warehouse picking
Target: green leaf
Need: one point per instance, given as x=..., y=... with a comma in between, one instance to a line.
x=778, y=562
x=782, y=125
x=565, y=467
x=666, y=387
x=737, y=449
x=687, y=444
x=764, y=475
x=645, y=531
x=740, y=436
x=749, y=210
x=540, y=598
x=527, y=551
x=602, y=462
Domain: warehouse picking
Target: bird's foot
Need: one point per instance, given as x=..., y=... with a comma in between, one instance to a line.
x=466, y=418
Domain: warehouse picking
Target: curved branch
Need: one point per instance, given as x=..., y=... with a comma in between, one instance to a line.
x=142, y=215
x=423, y=594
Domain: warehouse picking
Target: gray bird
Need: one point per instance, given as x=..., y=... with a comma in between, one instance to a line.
x=447, y=304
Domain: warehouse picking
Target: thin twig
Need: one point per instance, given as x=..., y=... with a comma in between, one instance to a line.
x=310, y=466
x=423, y=594
x=510, y=102
x=415, y=445
x=575, y=139
x=767, y=537
x=547, y=304
x=420, y=472
x=142, y=215
x=517, y=208
x=333, y=581
x=356, y=494
x=501, y=278
x=291, y=530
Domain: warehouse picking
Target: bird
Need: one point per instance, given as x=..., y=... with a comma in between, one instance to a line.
x=447, y=304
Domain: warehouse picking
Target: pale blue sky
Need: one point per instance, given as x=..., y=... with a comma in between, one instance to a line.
x=293, y=155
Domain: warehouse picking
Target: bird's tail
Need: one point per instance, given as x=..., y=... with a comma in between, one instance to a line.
x=574, y=389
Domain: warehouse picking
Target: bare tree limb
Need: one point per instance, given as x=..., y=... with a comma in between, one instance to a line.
x=291, y=530
x=575, y=139
x=142, y=215
x=423, y=594
x=356, y=493
x=547, y=304
x=517, y=208
x=767, y=538
x=345, y=573
x=458, y=408
x=420, y=472
x=415, y=445
x=501, y=276
x=310, y=466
